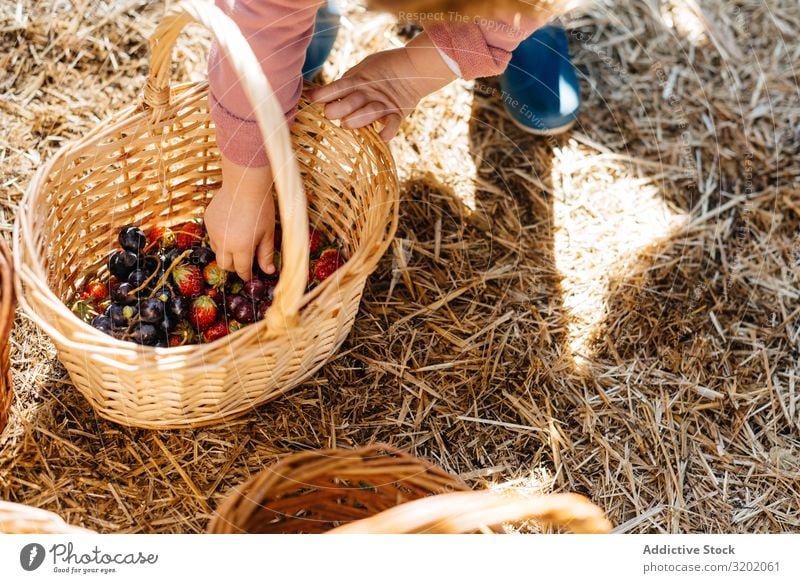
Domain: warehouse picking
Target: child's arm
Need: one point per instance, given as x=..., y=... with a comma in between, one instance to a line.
x=388, y=85
x=240, y=219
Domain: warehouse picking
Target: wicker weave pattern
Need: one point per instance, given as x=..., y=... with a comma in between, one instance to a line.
x=6, y=323
x=379, y=489
x=157, y=163
x=22, y=519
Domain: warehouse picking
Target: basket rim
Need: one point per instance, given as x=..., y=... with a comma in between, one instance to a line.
x=184, y=95
x=316, y=463
x=7, y=291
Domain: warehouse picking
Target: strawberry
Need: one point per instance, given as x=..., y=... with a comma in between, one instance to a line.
x=215, y=276
x=188, y=279
x=182, y=334
x=329, y=261
x=314, y=241
x=161, y=236
x=96, y=290
x=188, y=234
x=215, y=332
x=203, y=312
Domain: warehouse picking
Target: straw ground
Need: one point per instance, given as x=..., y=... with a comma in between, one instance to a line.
x=614, y=312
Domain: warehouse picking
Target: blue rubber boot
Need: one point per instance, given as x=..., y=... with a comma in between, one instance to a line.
x=326, y=27
x=540, y=86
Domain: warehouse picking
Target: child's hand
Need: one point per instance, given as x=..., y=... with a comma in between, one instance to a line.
x=240, y=220
x=386, y=86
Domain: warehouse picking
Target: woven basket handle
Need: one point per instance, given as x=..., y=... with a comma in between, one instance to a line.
x=269, y=114
x=462, y=512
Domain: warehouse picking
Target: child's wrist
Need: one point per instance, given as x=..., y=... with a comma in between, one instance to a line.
x=429, y=62
x=247, y=181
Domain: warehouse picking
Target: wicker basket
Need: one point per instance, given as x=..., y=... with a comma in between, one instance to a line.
x=6, y=323
x=22, y=519
x=157, y=163
x=378, y=489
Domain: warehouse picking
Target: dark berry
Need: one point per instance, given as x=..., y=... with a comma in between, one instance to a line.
x=122, y=263
x=262, y=310
x=145, y=334
x=178, y=307
x=132, y=239
x=123, y=294
x=149, y=264
x=151, y=311
x=255, y=289
x=170, y=323
x=120, y=315
x=269, y=294
x=137, y=278
x=245, y=312
x=170, y=256
x=103, y=323
x=231, y=301
x=202, y=256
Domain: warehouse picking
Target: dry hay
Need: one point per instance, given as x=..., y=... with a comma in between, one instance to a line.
x=614, y=312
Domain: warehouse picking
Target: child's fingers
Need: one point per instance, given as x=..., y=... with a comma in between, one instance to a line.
x=243, y=265
x=392, y=125
x=371, y=112
x=346, y=105
x=335, y=90
x=265, y=254
x=225, y=261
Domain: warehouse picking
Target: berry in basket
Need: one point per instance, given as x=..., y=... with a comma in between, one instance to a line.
x=165, y=288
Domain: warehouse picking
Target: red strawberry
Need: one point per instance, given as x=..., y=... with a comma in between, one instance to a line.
x=215, y=332
x=182, y=334
x=188, y=234
x=215, y=276
x=314, y=241
x=96, y=290
x=203, y=312
x=161, y=236
x=188, y=279
x=329, y=261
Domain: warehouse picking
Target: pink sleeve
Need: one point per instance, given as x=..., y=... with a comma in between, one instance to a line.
x=279, y=32
x=482, y=48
